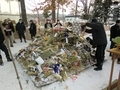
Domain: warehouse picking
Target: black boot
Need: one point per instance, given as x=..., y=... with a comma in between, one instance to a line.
x=118, y=61
x=21, y=40
x=1, y=62
x=9, y=59
x=11, y=45
x=99, y=67
x=25, y=41
x=14, y=41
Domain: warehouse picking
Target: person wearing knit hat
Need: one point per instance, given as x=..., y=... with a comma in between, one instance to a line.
x=21, y=29
x=32, y=29
x=58, y=23
x=99, y=41
x=48, y=24
x=94, y=20
x=115, y=32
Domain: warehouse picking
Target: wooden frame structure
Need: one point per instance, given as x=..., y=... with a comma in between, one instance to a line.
x=115, y=54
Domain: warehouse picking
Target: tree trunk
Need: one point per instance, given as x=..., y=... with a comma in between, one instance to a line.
x=76, y=8
x=58, y=12
x=53, y=16
x=23, y=11
x=53, y=11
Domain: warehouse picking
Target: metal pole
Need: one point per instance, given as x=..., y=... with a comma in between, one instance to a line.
x=58, y=10
x=63, y=10
x=12, y=60
x=76, y=9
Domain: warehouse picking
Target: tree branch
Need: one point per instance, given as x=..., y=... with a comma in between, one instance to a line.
x=30, y=4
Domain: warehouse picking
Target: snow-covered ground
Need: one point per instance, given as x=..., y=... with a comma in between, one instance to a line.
x=87, y=80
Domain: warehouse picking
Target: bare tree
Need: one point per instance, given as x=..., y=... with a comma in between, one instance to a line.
x=53, y=5
x=87, y=6
x=75, y=9
x=23, y=11
x=33, y=7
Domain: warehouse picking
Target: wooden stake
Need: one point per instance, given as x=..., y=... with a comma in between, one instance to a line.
x=118, y=85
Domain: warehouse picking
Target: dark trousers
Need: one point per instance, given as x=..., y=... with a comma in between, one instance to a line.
x=32, y=36
x=5, y=50
x=100, y=53
x=112, y=46
x=21, y=35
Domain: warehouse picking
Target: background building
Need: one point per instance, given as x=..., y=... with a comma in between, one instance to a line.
x=74, y=18
x=9, y=9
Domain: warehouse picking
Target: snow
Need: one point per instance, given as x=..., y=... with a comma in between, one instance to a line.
x=86, y=80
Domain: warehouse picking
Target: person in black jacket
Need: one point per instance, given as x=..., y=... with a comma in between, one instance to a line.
x=3, y=48
x=99, y=41
x=8, y=33
x=58, y=23
x=20, y=28
x=115, y=32
x=48, y=25
x=9, y=22
x=32, y=29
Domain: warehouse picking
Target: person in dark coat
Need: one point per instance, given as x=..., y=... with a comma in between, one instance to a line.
x=48, y=25
x=8, y=33
x=8, y=21
x=21, y=29
x=99, y=41
x=3, y=48
x=58, y=23
x=115, y=32
x=32, y=29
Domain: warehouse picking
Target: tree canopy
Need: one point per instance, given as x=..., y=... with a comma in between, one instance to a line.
x=102, y=8
x=87, y=8
x=52, y=5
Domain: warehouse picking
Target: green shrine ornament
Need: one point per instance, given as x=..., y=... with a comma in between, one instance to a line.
x=116, y=40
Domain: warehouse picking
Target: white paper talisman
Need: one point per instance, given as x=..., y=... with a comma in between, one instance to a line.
x=66, y=39
x=55, y=35
x=39, y=60
x=39, y=68
x=35, y=40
